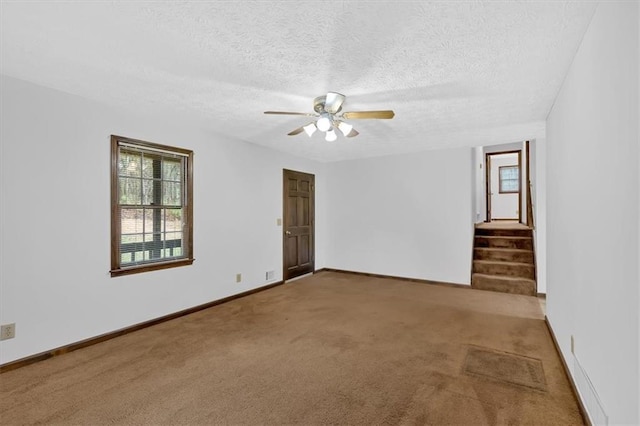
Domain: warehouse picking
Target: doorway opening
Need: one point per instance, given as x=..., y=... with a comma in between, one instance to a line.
x=504, y=186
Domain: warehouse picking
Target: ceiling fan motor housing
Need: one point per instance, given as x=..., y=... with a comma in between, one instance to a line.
x=318, y=104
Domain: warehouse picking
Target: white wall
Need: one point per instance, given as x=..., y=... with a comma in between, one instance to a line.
x=55, y=220
x=593, y=191
x=503, y=206
x=404, y=215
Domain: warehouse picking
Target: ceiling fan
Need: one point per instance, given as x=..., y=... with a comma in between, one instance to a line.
x=329, y=117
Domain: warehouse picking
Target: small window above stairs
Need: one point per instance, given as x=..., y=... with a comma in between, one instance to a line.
x=503, y=259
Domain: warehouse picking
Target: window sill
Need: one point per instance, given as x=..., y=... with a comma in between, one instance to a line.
x=150, y=267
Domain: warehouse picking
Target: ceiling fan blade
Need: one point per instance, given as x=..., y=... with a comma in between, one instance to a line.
x=290, y=113
x=353, y=133
x=296, y=131
x=333, y=102
x=386, y=114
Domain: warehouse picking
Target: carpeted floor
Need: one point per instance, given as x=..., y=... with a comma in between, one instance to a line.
x=331, y=348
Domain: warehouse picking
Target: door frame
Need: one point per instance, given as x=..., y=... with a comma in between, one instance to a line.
x=312, y=220
x=487, y=186
x=529, y=203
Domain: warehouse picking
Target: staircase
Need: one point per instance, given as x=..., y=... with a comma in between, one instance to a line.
x=503, y=259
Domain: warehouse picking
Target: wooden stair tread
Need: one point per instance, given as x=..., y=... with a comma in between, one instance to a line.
x=503, y=284
x=503, y=227
x=501, y=262
x=505, y=237
x=503, y=249
x=503, y=277
x=504, y=232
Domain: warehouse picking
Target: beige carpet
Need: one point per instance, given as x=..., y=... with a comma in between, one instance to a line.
x=333, y=348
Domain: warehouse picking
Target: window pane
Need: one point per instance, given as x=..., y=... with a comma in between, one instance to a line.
x=173, y=220
x=173, y=241
x=129, y=164
x=150, y=161
x=131, y=248
x=510, y=186
x=149, y=237
x=129, y=190
x=509, y=179
x=171, y=169
x=171, y=194
x=131, y=258
x=149, y=187
x=130, y=238
x=176, y=237
x=152, y=220
x=508, y=173
x=154, y=245
x=131, y=221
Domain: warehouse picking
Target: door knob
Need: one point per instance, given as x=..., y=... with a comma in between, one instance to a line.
x=288, y=232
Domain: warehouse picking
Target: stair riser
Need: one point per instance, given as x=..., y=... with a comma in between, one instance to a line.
x=504, y=269
x=516, y=243
x=505, y=256
x=504, y=232
x=514, y=287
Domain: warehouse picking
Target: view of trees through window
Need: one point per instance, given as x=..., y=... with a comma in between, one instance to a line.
x=151, y=212
x=151, y=206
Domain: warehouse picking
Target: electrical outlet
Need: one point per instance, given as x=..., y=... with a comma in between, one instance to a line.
x=238, y=278
x=269, y=275
x=7, y=331
x=573, y=345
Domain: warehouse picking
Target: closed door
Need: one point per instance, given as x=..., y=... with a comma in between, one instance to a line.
x=298, y=226
x=504, y=191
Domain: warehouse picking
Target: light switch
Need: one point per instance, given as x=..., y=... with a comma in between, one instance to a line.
x=279, y=222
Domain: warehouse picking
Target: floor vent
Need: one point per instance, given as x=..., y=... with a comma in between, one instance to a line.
x=589, y=396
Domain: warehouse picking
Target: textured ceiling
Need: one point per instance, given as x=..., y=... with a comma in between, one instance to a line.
x=455, y=73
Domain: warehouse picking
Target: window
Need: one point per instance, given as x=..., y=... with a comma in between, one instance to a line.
x=509, y=179
x=151, y=206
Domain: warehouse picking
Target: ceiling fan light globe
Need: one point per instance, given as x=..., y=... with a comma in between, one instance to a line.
x=323, y=124
x=345, y=128
x=331, y=136
x=310, y=129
